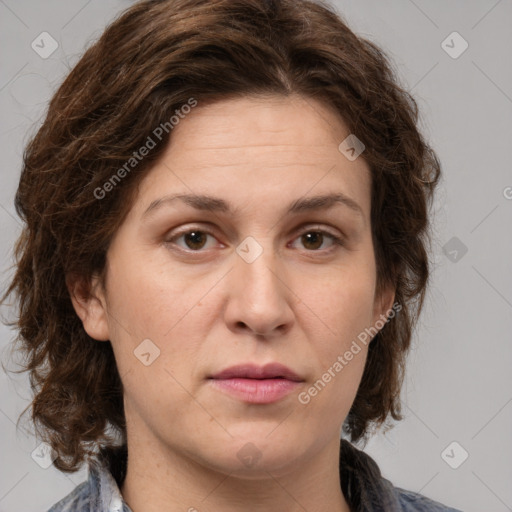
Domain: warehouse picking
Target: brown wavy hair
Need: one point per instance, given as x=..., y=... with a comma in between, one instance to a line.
x=148, y=63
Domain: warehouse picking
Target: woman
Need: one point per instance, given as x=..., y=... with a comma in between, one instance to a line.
x=223, y=259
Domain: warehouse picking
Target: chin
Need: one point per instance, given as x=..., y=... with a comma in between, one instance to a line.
x=255, y=454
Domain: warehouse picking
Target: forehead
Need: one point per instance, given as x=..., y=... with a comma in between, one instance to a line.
x=239, y=148
x=253, y=121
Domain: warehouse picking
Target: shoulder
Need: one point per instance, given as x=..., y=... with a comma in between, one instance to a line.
x=78, y=500
x=362, y=481
x=414, y=502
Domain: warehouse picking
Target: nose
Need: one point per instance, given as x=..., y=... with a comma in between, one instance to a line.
x=259, y=296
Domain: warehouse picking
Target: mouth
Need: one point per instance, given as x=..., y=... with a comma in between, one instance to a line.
x=257, y=384
x=251, y=371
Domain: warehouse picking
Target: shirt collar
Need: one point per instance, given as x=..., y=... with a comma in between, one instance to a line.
x=107, y=473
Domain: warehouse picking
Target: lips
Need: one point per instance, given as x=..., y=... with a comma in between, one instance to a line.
x=256, y=384
x=251, y=371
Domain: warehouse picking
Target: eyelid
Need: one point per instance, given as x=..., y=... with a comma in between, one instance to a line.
x=319, y=227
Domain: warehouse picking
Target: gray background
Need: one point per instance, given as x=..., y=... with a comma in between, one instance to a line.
x=458, y=385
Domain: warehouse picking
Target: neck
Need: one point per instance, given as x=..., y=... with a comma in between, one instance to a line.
x=168, y=480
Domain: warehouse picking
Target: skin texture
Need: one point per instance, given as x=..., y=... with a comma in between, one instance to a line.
x=302, y=302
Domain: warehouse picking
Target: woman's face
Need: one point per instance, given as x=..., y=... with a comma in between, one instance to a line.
x=196, y=286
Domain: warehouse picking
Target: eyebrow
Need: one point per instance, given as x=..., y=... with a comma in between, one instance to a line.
x=215, y=204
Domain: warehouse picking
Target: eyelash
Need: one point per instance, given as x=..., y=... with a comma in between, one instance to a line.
x=337, y=240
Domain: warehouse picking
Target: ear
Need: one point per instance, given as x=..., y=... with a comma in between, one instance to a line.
x=383, y=304
x=89, y=303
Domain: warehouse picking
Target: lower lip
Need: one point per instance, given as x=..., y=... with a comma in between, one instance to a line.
x=256, y=391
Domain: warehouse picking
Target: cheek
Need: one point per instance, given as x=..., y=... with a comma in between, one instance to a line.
x=148, y=299
x=340, y=354
x=149, y=302
x=327, y=400
x=340, y=305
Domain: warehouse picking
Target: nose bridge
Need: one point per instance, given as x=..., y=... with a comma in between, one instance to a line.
x=256, y=264
x=258, y=298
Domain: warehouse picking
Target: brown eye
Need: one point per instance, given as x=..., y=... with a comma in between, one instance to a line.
x=194, y=239
x=313, y=240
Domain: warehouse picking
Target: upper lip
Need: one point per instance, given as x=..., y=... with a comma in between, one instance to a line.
x=252, y=371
